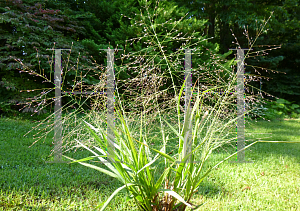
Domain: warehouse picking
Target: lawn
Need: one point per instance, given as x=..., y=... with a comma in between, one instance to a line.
x=271, y=182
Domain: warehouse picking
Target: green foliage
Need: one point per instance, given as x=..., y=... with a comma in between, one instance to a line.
x=165, y=37
x=29, y=28
x=279, y=69
x=280, y=108
x=27, y=31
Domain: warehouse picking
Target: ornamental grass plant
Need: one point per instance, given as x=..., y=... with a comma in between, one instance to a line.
x=164, y=178
x=133, y=162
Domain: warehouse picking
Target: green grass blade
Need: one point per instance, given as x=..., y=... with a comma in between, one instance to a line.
x=175, y=131
x=95, y=167
x=85, y=159
x=178, y=111
x=161, y=178
x=178, y=197
x=113, y=195
x=164, y=155
x=132, y=147
x=148, y=164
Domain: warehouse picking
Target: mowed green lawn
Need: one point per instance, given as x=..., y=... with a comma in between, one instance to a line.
x=271, y=182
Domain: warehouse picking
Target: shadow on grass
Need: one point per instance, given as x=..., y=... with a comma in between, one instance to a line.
x=282, y=130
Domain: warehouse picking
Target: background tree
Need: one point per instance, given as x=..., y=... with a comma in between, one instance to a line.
x=27, y=30
x=31, y=27
x=248, y=16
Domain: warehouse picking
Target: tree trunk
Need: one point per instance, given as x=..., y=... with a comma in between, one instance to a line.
x=225, y=34
x=211, y=29
x=210, y=10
